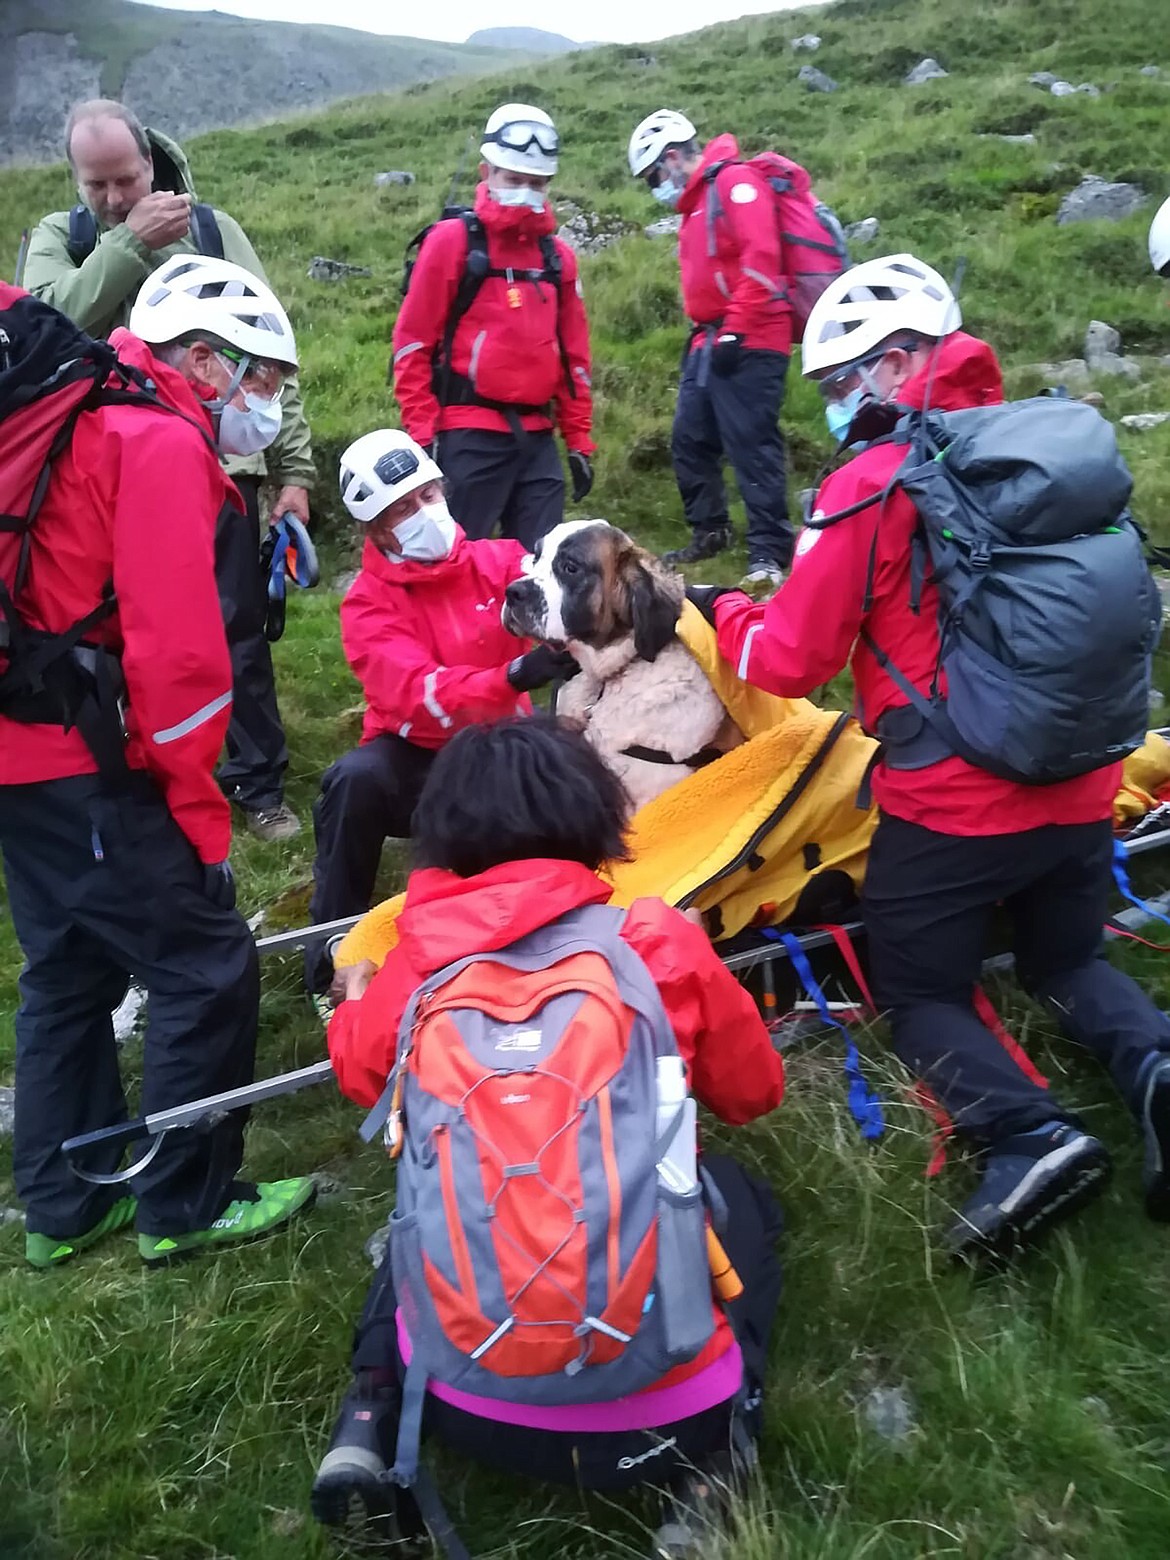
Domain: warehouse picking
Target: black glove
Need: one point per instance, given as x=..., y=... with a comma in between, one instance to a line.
x=540, y=666
x=705, y=596
x=581, y=471
x=219, y=885
x=726, y=354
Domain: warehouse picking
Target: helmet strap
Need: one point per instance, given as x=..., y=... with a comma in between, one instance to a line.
x=238, y=370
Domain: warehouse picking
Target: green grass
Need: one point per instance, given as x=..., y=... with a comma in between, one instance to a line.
x=179, y=1415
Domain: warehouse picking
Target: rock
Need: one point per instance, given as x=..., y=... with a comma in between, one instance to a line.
x=926, y=70
x=1142, y=422
x=7, y=1111
x=808, y=42
x=889, y=1412
x=1027, y=139
x=863, y=232
x=344, y=580
x=664, y=227
x=1042, y=78
x=1100, y=340
x=588, y=234
x=1087, y=89
x=1098, y=1408
x=287, y=1523
x=10, y=1216
x=645, y=61
x=1094, y=398
x=330, y=1189
x=1150, y=70
x=1073, y=373
x=395, y=176
x=323, y=270
x=1119, y=367
x=130, y=1014
x=1062, y=89
x=814, y=80
x=1097, y=200
x=375, y=1247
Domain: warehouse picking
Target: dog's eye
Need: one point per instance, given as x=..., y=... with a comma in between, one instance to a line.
x=569, y=567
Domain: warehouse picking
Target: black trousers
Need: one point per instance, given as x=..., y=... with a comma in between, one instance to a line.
x=737, y=418
x=103, y=886
x=499, y=479
x=928, y=903
x=252, y=774
x=367, y=797
x=594, y=1460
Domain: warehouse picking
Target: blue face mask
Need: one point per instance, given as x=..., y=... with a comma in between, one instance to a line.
x=524, y=196
x=840, y=414
x=668, y=192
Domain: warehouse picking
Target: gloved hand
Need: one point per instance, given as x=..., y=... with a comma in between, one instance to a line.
x=705, y=596
x=219, y=884
x=581, y=471
x=540, y=666
x=726, y=354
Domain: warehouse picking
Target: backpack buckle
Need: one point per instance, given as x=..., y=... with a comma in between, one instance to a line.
x=980, y=557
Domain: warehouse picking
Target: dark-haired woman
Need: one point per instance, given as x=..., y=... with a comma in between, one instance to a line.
x=513, y=823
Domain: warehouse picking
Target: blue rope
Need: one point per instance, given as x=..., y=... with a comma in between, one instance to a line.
x=1121, y=878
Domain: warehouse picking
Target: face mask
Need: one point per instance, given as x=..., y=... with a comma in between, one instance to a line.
x=251, y=430
x=427, y=537
x=524, y=196
x=668, y=192
x=840, y=414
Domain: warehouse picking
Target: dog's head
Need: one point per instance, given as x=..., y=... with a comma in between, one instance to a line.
x=588, y=582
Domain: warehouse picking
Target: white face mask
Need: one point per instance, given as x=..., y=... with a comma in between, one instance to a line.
x=427, y=537
x=248, y=431
x=524, y=196
x=668, y=192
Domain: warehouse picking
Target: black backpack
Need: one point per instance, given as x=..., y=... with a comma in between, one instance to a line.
x=1048, y=613
x=83, y=233
x=452, y=389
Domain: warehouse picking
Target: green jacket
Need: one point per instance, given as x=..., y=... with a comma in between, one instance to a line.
x=97, y=296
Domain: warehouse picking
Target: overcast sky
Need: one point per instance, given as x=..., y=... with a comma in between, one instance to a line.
x=602, y=21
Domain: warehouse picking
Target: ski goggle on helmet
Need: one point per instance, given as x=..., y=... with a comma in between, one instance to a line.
x=523, y=139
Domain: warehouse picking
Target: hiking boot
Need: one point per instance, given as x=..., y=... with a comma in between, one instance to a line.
x=704, y=544
x=274, y=823
x=1156, y=1131
x=255, y=1211
x=698, y=1508
x=763, y=579
x=352, y=1488
x=1031, y=1181
x=45, y=1251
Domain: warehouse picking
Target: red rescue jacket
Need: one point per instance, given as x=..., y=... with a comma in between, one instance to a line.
x=509, y=343
x=426, y=642
x=134, y=499
x=731, y=269
x=810, y=628
x=731, y=1064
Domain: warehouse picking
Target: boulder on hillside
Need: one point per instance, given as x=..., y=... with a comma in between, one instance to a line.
x=808, y=42
x=325, y=270
x=7, y=1111
x=926, y=70
x=1150, y=70
x=587, y=233
x=1101, y=340
x=814, y=80
x=1142, y=422
x=665, y=227
x=1087, y=89
x=394, y=176
x=863, y=232
x=1098, y=200
x=1042, y=78
x=1062, y=89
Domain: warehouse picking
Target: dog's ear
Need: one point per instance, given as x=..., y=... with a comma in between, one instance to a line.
x=655, y=599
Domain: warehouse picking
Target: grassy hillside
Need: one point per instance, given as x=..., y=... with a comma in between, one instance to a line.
x=180, y=1415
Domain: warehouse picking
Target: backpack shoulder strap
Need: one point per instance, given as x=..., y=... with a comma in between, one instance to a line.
x=83, y=234
x=205, y=231
x=475, y=270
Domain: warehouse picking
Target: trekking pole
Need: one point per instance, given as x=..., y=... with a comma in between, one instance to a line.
x=21, y=257
x=204, y=1113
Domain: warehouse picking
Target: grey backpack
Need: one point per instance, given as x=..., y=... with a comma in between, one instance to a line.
x=1048, y=615
x=539, y=1255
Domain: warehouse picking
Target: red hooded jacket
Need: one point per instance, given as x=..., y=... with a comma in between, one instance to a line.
x=810, y=628
x=134, y=498
x=731, y=268
x=509, y=343
x=426, y=642
x=731, y=1065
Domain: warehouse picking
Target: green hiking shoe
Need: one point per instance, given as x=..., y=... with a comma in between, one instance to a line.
x=45, y=1251
x=258, y=1210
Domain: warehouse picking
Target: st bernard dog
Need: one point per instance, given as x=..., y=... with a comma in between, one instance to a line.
x=640, y=698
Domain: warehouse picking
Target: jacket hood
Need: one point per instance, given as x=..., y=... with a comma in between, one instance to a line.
x=446, y=917
x=963, y=372
x=409, y=571
x=172, y=171
x=170, y=384
x=724, y=148
x=516, y=221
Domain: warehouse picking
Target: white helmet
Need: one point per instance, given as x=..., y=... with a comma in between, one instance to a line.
x=664, y=127
x=864, y=307
x=381, y=467
x=198, y=293
x=1160, y=240
x=521, y=138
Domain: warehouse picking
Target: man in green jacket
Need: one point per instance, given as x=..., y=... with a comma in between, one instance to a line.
x=138, y=210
